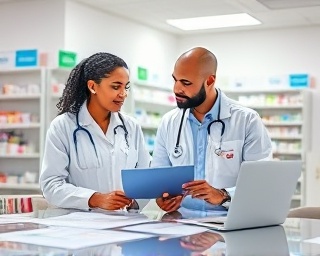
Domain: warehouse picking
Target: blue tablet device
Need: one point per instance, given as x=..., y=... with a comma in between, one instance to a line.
x=151, y=183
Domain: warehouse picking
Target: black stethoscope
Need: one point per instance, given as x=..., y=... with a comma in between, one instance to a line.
x=80, y=128
x=177, y=152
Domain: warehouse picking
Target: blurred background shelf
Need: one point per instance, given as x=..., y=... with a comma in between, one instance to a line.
x=286, y=115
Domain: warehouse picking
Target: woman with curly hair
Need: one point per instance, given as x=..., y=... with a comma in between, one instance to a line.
x=90, y=141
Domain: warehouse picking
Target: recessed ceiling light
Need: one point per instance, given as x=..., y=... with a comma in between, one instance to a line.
x=221, y=21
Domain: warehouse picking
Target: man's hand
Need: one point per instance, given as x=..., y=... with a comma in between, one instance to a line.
x=200, y=242
x=111, y=201
x=202, y=190
x=168, y=203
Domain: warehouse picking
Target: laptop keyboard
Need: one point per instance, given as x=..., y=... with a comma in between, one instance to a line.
x=215, y=220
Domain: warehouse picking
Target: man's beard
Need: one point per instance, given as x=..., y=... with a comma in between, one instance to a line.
x=193, y=102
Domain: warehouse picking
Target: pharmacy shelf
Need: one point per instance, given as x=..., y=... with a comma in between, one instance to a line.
x=267, y=107
x=284, y=111
x=283, y=123
x=288, y=153
x=20, y=186
x=149, y=126
x=148, y=102
x=26, y=156
x=20, y=97
x=283, y=137
x=56, y=96
x=19, y=126
x=56, y=79
x=19, y=70
x=24, y=98
x=152, y=86
x=153, y=104
x=260, y=90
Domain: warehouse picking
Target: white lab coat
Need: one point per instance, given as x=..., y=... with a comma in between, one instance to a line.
x=244, y=133
x=68, y=179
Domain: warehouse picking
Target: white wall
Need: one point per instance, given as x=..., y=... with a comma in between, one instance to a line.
x=33, y=24
x=264, y=52
x=89, y=30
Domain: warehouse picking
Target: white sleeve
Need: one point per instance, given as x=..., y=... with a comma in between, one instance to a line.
x=144, y=157
x=257, y=145
x=160, y=155
x=55, y=172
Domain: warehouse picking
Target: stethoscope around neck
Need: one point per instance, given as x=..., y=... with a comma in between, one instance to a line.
x=80, y=128
x=178, y=151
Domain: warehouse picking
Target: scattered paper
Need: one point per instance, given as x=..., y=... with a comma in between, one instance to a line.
x=315, y=240
x=164, y=228
x=71, y=238
x=92, y=220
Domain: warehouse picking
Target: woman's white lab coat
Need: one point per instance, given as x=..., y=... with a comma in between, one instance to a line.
x=69, y=178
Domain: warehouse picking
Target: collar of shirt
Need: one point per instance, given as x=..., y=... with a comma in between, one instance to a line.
x=211, y=115
x=85, y=120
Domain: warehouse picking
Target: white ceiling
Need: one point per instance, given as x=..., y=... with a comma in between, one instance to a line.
x=154, y=13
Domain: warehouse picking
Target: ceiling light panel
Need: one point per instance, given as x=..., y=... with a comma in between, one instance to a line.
x=209, y=22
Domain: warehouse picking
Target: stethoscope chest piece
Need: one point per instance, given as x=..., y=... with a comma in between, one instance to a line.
x=177, y=152
x=218, y=151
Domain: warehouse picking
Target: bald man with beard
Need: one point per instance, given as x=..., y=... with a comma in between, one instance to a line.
x=208, y=130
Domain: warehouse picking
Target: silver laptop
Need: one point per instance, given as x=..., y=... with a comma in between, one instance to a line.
x=262, y=197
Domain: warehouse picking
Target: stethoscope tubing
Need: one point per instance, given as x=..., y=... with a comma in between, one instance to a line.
x=177, y=152
x=80, y=128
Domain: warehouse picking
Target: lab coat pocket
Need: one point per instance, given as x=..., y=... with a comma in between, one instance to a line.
x=222, y=168
x=132, y=158
x=87, y=157
x=181, y=156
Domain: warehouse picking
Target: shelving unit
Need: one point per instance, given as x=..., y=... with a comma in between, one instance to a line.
x=148, y=103
x=286, y=115
x=22, y=93
x=313, y=159
x=55, y=80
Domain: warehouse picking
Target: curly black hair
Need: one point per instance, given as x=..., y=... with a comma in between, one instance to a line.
x=94, y=68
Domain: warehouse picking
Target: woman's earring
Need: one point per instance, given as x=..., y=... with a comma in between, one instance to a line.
x=93, y=91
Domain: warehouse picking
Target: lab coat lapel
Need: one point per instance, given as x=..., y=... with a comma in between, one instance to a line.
x=225, y=108
x=115, y=133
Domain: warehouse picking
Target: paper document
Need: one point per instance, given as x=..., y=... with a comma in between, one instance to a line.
x=151, y=183
x=92, y=220
x=70, y=238
x=13, y=218
x=315, y=240
x=165, y=228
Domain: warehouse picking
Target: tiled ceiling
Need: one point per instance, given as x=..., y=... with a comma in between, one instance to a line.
x=154, y=13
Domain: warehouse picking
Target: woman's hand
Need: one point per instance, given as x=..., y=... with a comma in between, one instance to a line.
x=111, y=201
x=202, y=190
x=169, y=203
